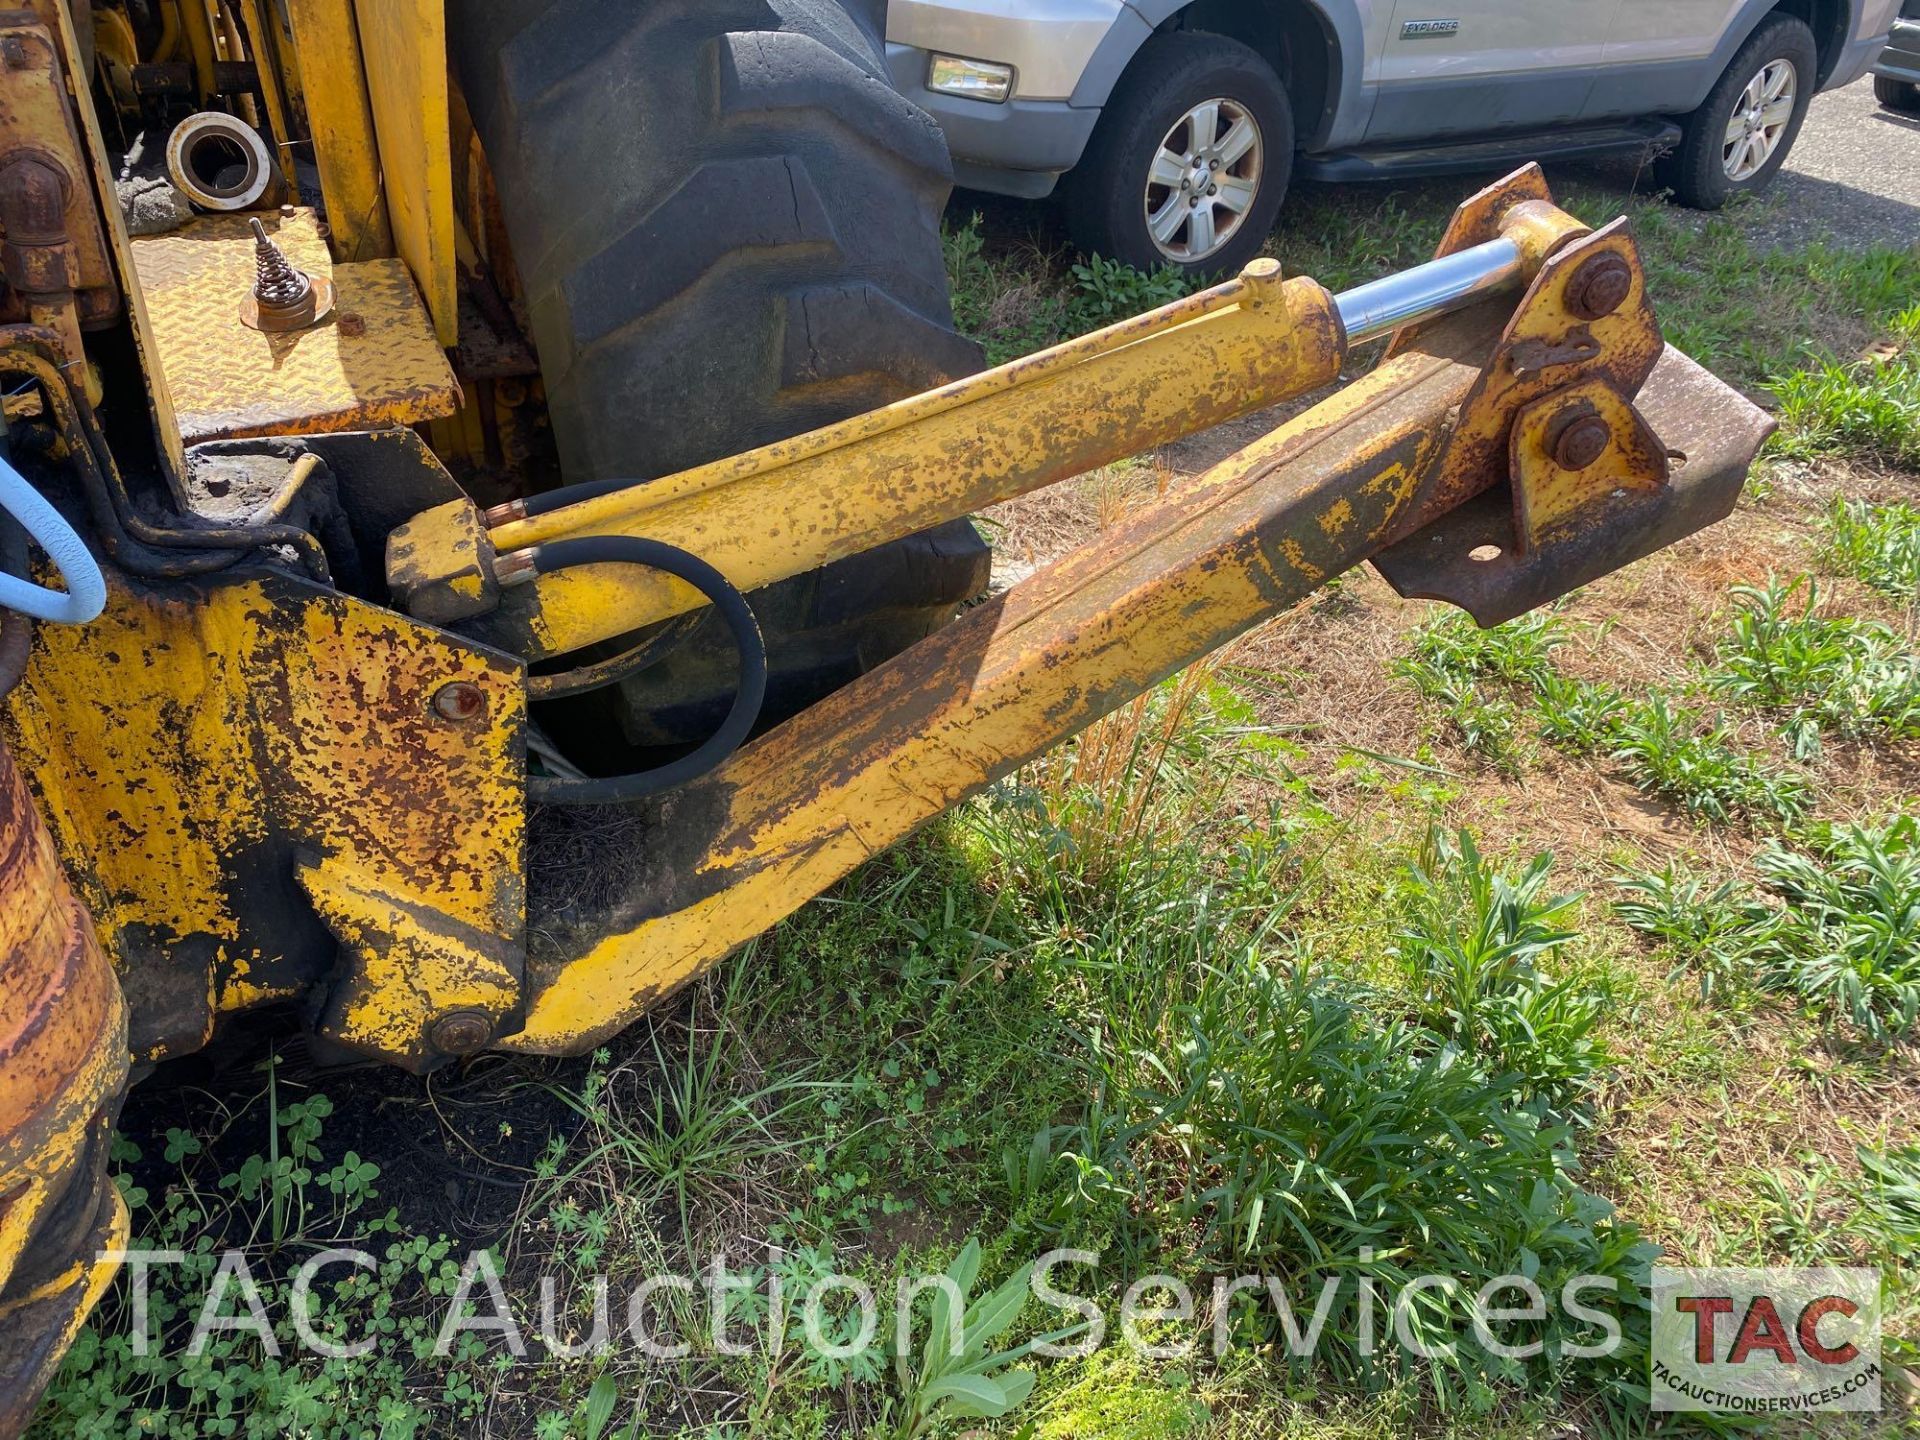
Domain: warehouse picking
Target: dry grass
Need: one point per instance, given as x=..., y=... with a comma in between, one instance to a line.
x=1102, y=790
x=1705, y=1100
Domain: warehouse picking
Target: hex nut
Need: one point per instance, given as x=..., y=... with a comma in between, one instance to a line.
x=460, y=1033
x=1581, y=442
x=1599, y=286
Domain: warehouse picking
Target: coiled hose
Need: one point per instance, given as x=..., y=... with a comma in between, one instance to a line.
x=732, y=607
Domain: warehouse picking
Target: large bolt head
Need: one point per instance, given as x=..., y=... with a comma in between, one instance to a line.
x=1581, y=443
x=459, y=700
x=1600, y=286
x=460, y=1033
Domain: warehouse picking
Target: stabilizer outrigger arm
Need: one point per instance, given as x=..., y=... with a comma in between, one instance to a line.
x=1499, y=457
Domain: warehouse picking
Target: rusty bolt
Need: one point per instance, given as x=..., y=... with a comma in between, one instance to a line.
x=1599, y=286
x=460, y=1032
x=1581, y=442
x=458, y=700
x=351, y=323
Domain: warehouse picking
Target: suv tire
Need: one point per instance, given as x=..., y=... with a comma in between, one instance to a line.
x=1901, y=95
x=727, y=225
x=1701, y=169
x=1153, y=109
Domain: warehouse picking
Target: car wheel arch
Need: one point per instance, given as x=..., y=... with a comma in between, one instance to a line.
x=1830, y=21
x=1321, y=100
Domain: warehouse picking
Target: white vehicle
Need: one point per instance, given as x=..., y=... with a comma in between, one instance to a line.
x=1177, y=126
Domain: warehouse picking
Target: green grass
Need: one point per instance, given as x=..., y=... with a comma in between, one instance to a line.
x=1790, y=322
x=1665, y=747
x=1282, y=1117
x=1451, y=655
x=1835, y=925
x=1521, y=650
x=1719, y=935
x=1851, y=940
x=1753, y=313
x=1877, y=544
x=1869, y=406
x=1014, y=304
x=1686, y=757
x=678, y=1125
x=286, y=1200
x=1816, y=673
x=1477, y=955
x=1578, y=716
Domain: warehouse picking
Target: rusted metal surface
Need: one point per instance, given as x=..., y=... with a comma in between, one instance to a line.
x=1481, y=217
x=1706, y=432
x=1543, y=348
x=254, y=787
x=1577, y=448
x=804, y=502
x=227, y=380
x=1473, y=412
x=440, y=565
x=54, y=256
x=1599, y=285
x=35, y=121
x=63, y=1066
x=282, y=298
x=735, y=852
x=790, y=507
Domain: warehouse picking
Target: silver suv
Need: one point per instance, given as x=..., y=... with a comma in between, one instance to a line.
x=1177, y=124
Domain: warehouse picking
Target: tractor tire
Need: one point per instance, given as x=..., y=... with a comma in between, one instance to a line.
x=727, y=227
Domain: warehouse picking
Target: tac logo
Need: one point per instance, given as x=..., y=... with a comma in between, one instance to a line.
x=1766, y=1341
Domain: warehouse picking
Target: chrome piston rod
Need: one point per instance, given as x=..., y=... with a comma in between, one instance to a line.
x=1429, y=291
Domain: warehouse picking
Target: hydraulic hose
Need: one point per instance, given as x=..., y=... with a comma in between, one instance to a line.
x=16, y=630
x=86, y=593
x=583, y=679
x=549, y=500
x=131, y=539
x=732, y=607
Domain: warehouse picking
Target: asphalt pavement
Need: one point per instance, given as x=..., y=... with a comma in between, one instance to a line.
x=1852, y=178
x=1853, y=175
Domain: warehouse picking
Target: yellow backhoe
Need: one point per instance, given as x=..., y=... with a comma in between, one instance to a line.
x=454, y=428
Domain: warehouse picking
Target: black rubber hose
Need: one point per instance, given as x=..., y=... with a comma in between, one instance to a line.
x=733, y=609
x=16, y=630
x=572, y=495
x=29, y=351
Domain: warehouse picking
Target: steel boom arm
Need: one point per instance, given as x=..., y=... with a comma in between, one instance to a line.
x=798, y=504
x=1497, y=459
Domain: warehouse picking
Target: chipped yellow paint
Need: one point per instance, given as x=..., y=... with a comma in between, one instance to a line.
x=227, y=380
x=332, y=82
x=1297, y=558
x=404, y=44
x=804, y=805
x=1338, y=516
x=791, y=506
x=63, y=1065
x=208, y=753
x=263, y=32
x=1549, y=500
